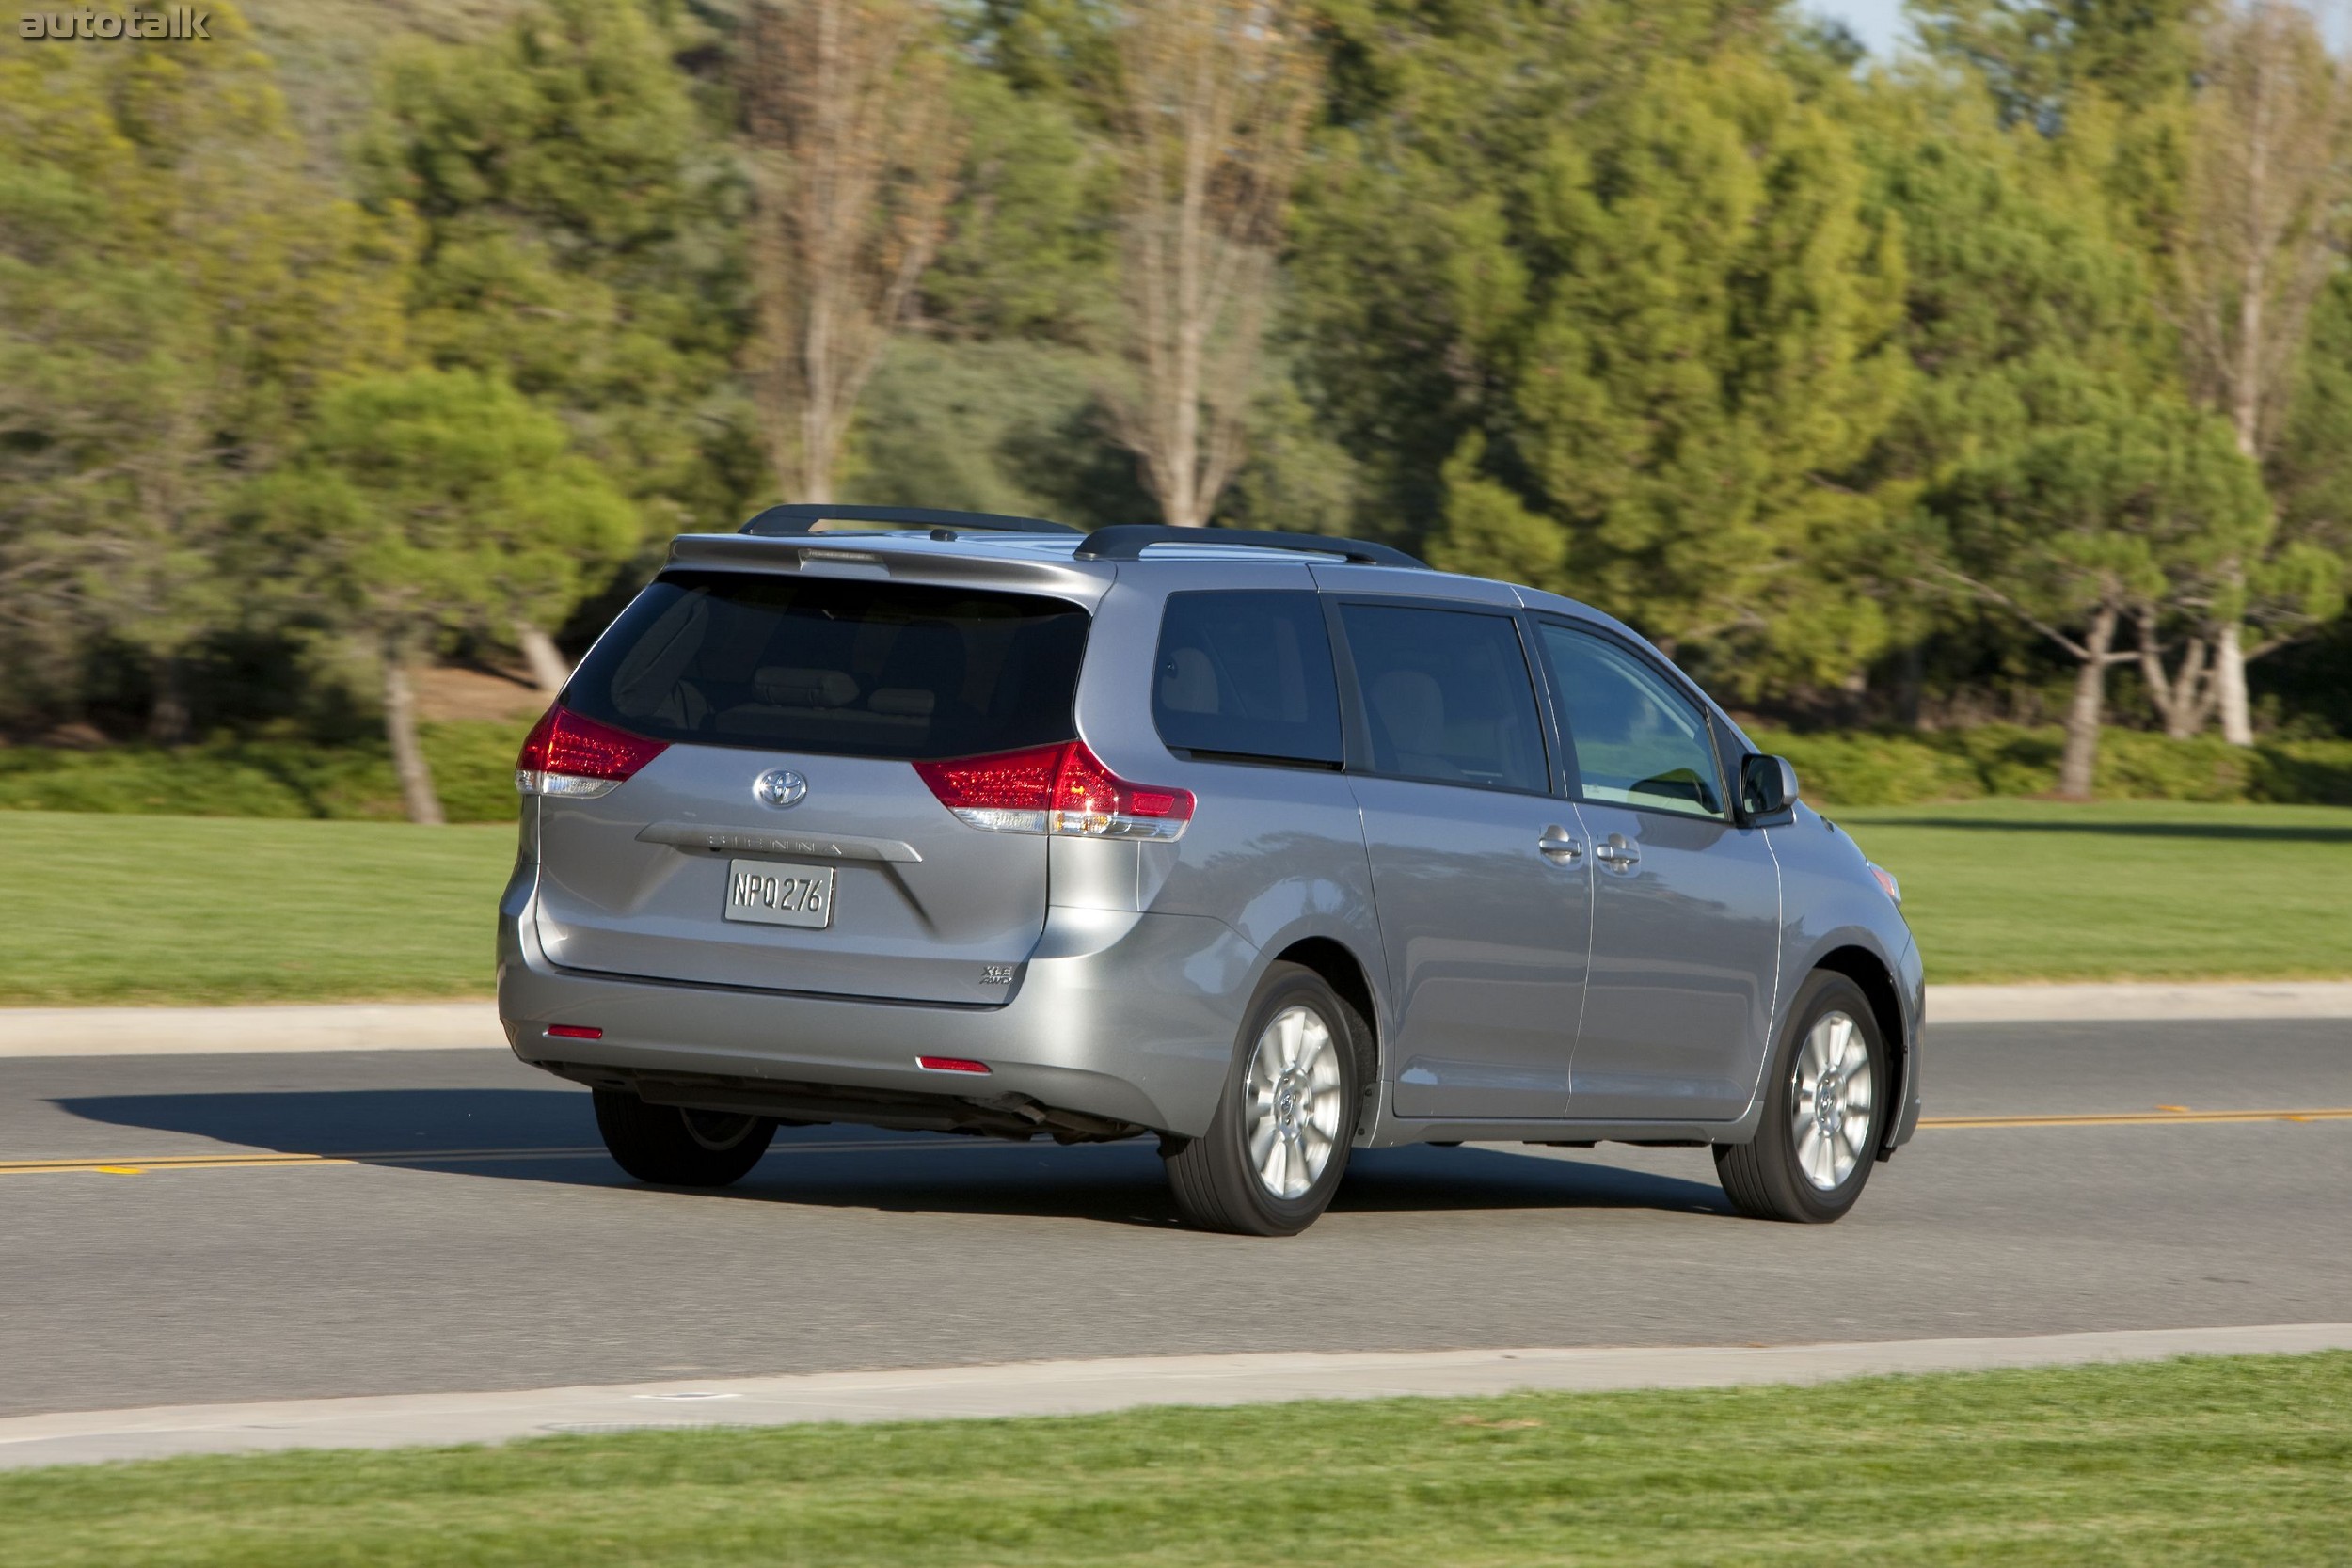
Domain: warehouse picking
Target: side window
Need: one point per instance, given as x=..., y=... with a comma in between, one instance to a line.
x=1446, y=696
x=1248, y=674
x=1637, y=741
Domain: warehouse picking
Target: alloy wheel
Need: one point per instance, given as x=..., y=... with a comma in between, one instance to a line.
x=1830, y=1100
x=1293, y=1106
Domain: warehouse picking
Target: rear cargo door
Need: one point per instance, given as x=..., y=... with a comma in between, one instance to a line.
x=784, y=840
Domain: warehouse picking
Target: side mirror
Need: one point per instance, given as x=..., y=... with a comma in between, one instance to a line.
x=1768, y=785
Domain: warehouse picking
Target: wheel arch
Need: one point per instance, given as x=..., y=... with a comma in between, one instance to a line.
x=1345, y=972
x=1872, y=973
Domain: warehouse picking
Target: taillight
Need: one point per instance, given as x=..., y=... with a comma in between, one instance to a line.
x=1061, y=790
x=567, y=754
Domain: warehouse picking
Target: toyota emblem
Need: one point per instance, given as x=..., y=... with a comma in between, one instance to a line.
x=780, y=787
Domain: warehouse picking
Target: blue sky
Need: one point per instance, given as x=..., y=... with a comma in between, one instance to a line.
x=1876, y=22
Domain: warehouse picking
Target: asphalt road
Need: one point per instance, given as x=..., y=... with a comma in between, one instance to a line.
x=527, y=1259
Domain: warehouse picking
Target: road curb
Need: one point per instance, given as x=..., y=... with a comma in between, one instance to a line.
x=462, y=1025
x=225, y=1031
x=1069, y=1389
x=2123, y=1001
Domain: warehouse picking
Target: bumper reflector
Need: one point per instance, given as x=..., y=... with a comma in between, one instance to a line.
x=949, y=1064
x=574, y=1032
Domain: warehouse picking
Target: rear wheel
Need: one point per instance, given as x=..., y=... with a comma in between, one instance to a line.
x=1274, y=1155
x=1825, y=1108
x=675, y=1147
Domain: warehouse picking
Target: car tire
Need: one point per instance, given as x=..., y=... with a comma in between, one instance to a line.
x=674, y=1148
x=1812, y=1154
x=1277, y=1145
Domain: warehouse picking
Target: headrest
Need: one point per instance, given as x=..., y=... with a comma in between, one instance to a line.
x=1189, y=682
x=805, y=687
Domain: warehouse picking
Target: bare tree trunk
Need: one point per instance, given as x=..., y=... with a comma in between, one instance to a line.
x=1211, y=108
x=853, y=159
x=167, y=715
x=544, y=658
x=2079, y=763
x=2229, y=668
x=2183, y=699
x=400, y=728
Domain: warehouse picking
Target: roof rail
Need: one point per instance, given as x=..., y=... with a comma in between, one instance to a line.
x=803, y=517
x=1127, y=542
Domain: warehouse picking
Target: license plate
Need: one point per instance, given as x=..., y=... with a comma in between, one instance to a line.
x=774, y=893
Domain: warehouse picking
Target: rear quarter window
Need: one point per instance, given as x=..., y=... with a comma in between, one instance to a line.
x=1246, y=674
x=835, y=666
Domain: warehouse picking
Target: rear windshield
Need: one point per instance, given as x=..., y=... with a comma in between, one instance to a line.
x=835, y=666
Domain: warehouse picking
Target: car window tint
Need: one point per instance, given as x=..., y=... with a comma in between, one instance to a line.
x=1636, y=739
x=1446, y=696
x=1248, y=674
x=830, y=665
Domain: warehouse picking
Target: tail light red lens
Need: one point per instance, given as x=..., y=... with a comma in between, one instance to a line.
x=567, y=754
x=1061, y=790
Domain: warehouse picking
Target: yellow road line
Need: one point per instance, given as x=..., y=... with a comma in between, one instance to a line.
x=2165, y=1117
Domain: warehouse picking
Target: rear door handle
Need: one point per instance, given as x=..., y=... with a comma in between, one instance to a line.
x=1558, y=848
x=1618, y=853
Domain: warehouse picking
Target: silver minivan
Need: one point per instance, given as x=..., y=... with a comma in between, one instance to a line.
x=1267, y=846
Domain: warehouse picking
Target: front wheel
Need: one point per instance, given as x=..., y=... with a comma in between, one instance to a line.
x=1274, y=1154
x=1825, y=1108
x=675, y=1147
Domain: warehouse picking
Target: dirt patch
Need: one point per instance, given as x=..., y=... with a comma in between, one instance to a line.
x=454, y=692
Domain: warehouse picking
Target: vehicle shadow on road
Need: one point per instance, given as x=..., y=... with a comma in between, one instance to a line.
x=549, y=1136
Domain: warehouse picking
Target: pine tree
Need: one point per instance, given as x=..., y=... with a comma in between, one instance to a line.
x=428, y=504
x=581, y=242
x=1688, y=311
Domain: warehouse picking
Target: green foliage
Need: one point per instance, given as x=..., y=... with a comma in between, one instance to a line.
x=2039, y=58
x=267, y=776
x=1655, y=327
x=582, y=240
x=179, y=288
x=1819, y=372
x=2304, y=577
x=1032, y=233
x=1915, y=767
x=1693, y=325
x=437, y=502
x=2059, y=467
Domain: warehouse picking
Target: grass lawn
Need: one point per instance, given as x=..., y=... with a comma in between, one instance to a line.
x=2220, y=1461
x=108, y=909
x=105, y=909
x=2031, y=889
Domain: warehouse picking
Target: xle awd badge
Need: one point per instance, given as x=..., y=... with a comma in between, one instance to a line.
x=780, y=787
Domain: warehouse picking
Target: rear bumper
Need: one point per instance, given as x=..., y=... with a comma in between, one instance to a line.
x=1119, y=1016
